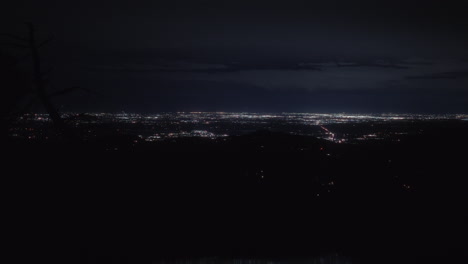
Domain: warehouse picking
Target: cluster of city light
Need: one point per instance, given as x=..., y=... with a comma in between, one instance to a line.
x=161, y=126
x=181, y=134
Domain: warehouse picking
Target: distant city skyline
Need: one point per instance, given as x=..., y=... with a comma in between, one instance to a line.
x=216, y=125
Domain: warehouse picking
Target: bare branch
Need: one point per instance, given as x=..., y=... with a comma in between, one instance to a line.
x=13, y=37
x=45, y=42
x=28, y=105
x=62, y=92
x=92, y=92
x=69, y=90
x=14, y=45
x=27, y=55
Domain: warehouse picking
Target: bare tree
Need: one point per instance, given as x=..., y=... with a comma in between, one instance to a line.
x=39, y=80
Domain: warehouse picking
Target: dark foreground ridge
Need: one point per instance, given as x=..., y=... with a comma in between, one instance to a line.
x=265, y=196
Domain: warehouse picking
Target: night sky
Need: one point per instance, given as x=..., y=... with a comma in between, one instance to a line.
x=271, y=56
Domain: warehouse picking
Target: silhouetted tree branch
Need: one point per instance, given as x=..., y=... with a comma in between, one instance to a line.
x=12, y=36
x=45, y=42
x=16, y=45
x=40, y=83
x=39, y=80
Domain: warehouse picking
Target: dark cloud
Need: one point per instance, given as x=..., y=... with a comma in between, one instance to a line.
x=192, y=67
x=262, y=54
x=441, y=75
